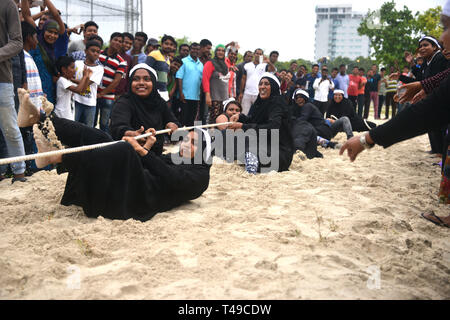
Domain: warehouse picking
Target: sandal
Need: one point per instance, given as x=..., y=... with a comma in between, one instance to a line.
x=439, y=222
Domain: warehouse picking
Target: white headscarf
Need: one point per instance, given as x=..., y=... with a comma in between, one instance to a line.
x=269, y=75
x=227, y=102
x=300, y=91
x=146, y=67
x=208, y=144
x=339, y=91
x=432, y=40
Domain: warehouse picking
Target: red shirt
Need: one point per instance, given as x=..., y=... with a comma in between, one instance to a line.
x=353, y=86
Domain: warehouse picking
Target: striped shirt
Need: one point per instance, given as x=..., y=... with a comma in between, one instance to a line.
x=157, y=61
x=113, y=64
x=33, y=80
x=391, y=86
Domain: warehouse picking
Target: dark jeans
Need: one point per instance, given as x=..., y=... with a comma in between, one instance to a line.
x=354, y=100
x=366, y=106
x=188, y=113
x=322, y=106
x=360, y=105
x=390, y=102
x=381, y=100
x=203, y=110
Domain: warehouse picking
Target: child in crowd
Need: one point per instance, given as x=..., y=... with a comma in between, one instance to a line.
x=86, y=102
x=65, y=87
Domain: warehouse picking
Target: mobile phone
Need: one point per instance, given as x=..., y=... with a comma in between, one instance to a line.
x=261, y=59
x=37, y=3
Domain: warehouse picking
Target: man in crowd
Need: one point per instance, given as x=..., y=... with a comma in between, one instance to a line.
x=204, y=56
x=183, y=50
x=322, y=87
x=90, y=28
x=343, y=79
x=128, y=40
x=273, y=58
x=310, y=78
x=160, y=61
x=248, y=56
x=293, y=68
x=355, y=84
x=250, y=80
x=334, y=73
x=373, y=88
x=10, y=45
x=205, y=50
x=189, y=79
x=152, y=45
x=140, y=39
x=115, y=68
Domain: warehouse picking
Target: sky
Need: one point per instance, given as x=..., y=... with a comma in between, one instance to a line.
x=287, y=26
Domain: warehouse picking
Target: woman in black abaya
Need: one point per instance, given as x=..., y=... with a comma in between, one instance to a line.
x=125, y=180
x=269, y=112
x=142, y=108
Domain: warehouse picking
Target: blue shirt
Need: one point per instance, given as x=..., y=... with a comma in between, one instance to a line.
x=309, y=84
x=142, y=57
x=336, y=86
x=61, y=45
x=191, y=73
x=344, y=81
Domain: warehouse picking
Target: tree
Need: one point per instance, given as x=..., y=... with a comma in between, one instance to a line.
x=428, y=23
x=394, y=33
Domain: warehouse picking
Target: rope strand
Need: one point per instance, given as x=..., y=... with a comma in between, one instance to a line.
x=99, y=145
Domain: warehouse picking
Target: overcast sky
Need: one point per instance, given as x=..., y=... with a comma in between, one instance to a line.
x=287, y=26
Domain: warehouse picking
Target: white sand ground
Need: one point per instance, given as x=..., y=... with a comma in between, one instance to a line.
x=319, y=231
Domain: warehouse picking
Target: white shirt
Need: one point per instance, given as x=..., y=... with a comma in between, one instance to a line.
x=63, y=108
x=322, y=89
x=89, y=97
x=254, y=73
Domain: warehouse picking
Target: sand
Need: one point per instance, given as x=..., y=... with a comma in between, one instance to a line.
x=323, y=230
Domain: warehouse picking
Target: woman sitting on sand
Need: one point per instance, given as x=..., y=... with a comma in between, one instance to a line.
x=125, y=180
x=230, y=108
x=269, y=112
x=342, y=107
x=306, y=111
x=142, y=108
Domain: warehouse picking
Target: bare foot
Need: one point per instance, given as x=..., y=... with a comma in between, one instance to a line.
x=47, y=106
x=44, y=145
x=28, y=113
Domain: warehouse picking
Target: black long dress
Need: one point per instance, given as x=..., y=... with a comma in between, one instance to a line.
x=116, y=183
x=271, y=114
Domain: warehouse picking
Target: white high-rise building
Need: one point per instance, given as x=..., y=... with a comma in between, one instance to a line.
x=337, y=33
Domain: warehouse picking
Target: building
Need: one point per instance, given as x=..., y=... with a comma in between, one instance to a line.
x=337, y=33
x=110, y=15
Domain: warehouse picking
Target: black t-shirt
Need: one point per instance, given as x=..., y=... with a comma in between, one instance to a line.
x=373, y=83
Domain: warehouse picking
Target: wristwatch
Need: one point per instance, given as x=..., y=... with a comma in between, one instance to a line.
x=364, y=143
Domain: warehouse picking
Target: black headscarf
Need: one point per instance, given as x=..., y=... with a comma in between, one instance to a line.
x=260, y=107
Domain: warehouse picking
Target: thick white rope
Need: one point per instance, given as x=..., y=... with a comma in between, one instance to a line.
x=99, y=145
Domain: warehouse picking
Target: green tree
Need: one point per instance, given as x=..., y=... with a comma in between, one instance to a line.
x=428, y=23
x=391, y=33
